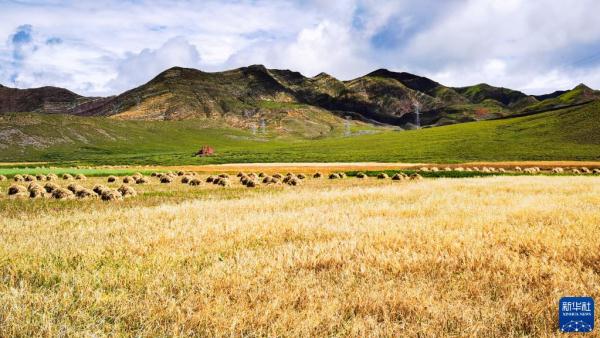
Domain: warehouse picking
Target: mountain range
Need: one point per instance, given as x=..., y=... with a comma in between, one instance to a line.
x=250, y=96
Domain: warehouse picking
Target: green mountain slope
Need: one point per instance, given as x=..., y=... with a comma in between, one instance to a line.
x=249, y=97
x=568, y=134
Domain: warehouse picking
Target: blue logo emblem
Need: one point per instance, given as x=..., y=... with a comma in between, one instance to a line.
x=576, y=314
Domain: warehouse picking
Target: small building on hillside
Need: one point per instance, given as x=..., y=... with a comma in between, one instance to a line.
x=205, y=151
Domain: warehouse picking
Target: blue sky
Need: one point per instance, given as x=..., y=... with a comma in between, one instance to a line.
x=104, y=47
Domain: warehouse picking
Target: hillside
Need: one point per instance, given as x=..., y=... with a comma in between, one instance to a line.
x=251, y=97
x=567, y=134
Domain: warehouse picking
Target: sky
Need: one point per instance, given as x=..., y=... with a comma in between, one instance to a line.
x=105, y=47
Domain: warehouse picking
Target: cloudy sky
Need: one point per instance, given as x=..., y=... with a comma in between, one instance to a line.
x=104, y=47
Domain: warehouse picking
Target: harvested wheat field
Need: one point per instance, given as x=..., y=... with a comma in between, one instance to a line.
x=358, y=257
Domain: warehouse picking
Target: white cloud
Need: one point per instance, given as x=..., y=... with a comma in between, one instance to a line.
x=107, y=46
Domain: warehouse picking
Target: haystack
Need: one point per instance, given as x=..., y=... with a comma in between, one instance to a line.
x=16, y=189
x=301, y=176
x=576, y=171
x=317, y=175
x=141, y=180
x=112, y=179
x=75, y=187
x=558, y=170
x=382, y=176
x=262, y=175
x=62, y=194
x=416, y=177
x=447, y=169
x=128, y=179
x=37, y=192
x=423, y=169
x=185, y=179
x=267, y=179
x=251, y=184
x=67, y=177
x=99, y=189
x=586, y=170
x=223, y=182
x=399, y=177
x=596, y=171
x=127, y=191
x=518, y=169
x=180, y=173
x=293, y=181
x=2, y=178
x=34, y=186
x=154, y=174
x=80, y=177
x=278, y=175
x=195, y=181
x=50, y=187
x=40, y=177
x=18, y=178
x=210, y=179
x=111, y=195
x=361, y=175
x=342, y=175
x=86, y=194
x=29, y=178
x=240, y=174
x=51, y=177
x=223, y=175
x=334, y=176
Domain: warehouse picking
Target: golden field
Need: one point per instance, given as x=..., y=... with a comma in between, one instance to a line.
x=439, y=257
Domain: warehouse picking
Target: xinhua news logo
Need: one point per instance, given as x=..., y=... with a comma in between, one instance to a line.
x=576, y=314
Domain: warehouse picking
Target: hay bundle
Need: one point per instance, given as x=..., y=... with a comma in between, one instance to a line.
x=141, y=180
x=180, y=173
x=447, y=169
x=585, y=170
x=210, y=179
x=51, y=177
x=342, y=175
x=195, y=181
x=399, y=177
x=240, y=174
x=80, y=177
x=185, y=179
x=267, y=179
x=275, y=180
x=67, y=177
x=99, y=189
x=18, y=178
x=37, y=192
x=317, y=175
x=166, y=179
x=112, y=179
x=29, y=178
x=361, y=175
x=251, y=184
x=301, y=176
x=62, y=194
x=278, y=175
x=223, y=182
x=558, y=170
x=217, y=180
x=34, y=186
x=459, y=169
x=75, y=187
x=416, y=177
x=154, y=174
x=128, y=179
x=86, y=194
x=2, y=178
x=423, y=169
x=50, y=187
x=16, y=189
x=529, y=171
x=576, y=171
x=261, y=175
x=501, y=170
x=518, y=169
x=382, y=176
x=288, y=178
x=293, y=181
x=468, y=169
x=111, y=195
x=596, y=171
x=244, y=180
x=40, y=177
x=485, y=170
x=334, y=176
x=127, y=191
x=227, y=176
x=435, y=169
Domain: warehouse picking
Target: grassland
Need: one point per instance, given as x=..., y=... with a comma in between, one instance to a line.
x=440, y=257
x=569, y=134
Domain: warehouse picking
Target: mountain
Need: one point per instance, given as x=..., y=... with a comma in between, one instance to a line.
x=250, y=97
